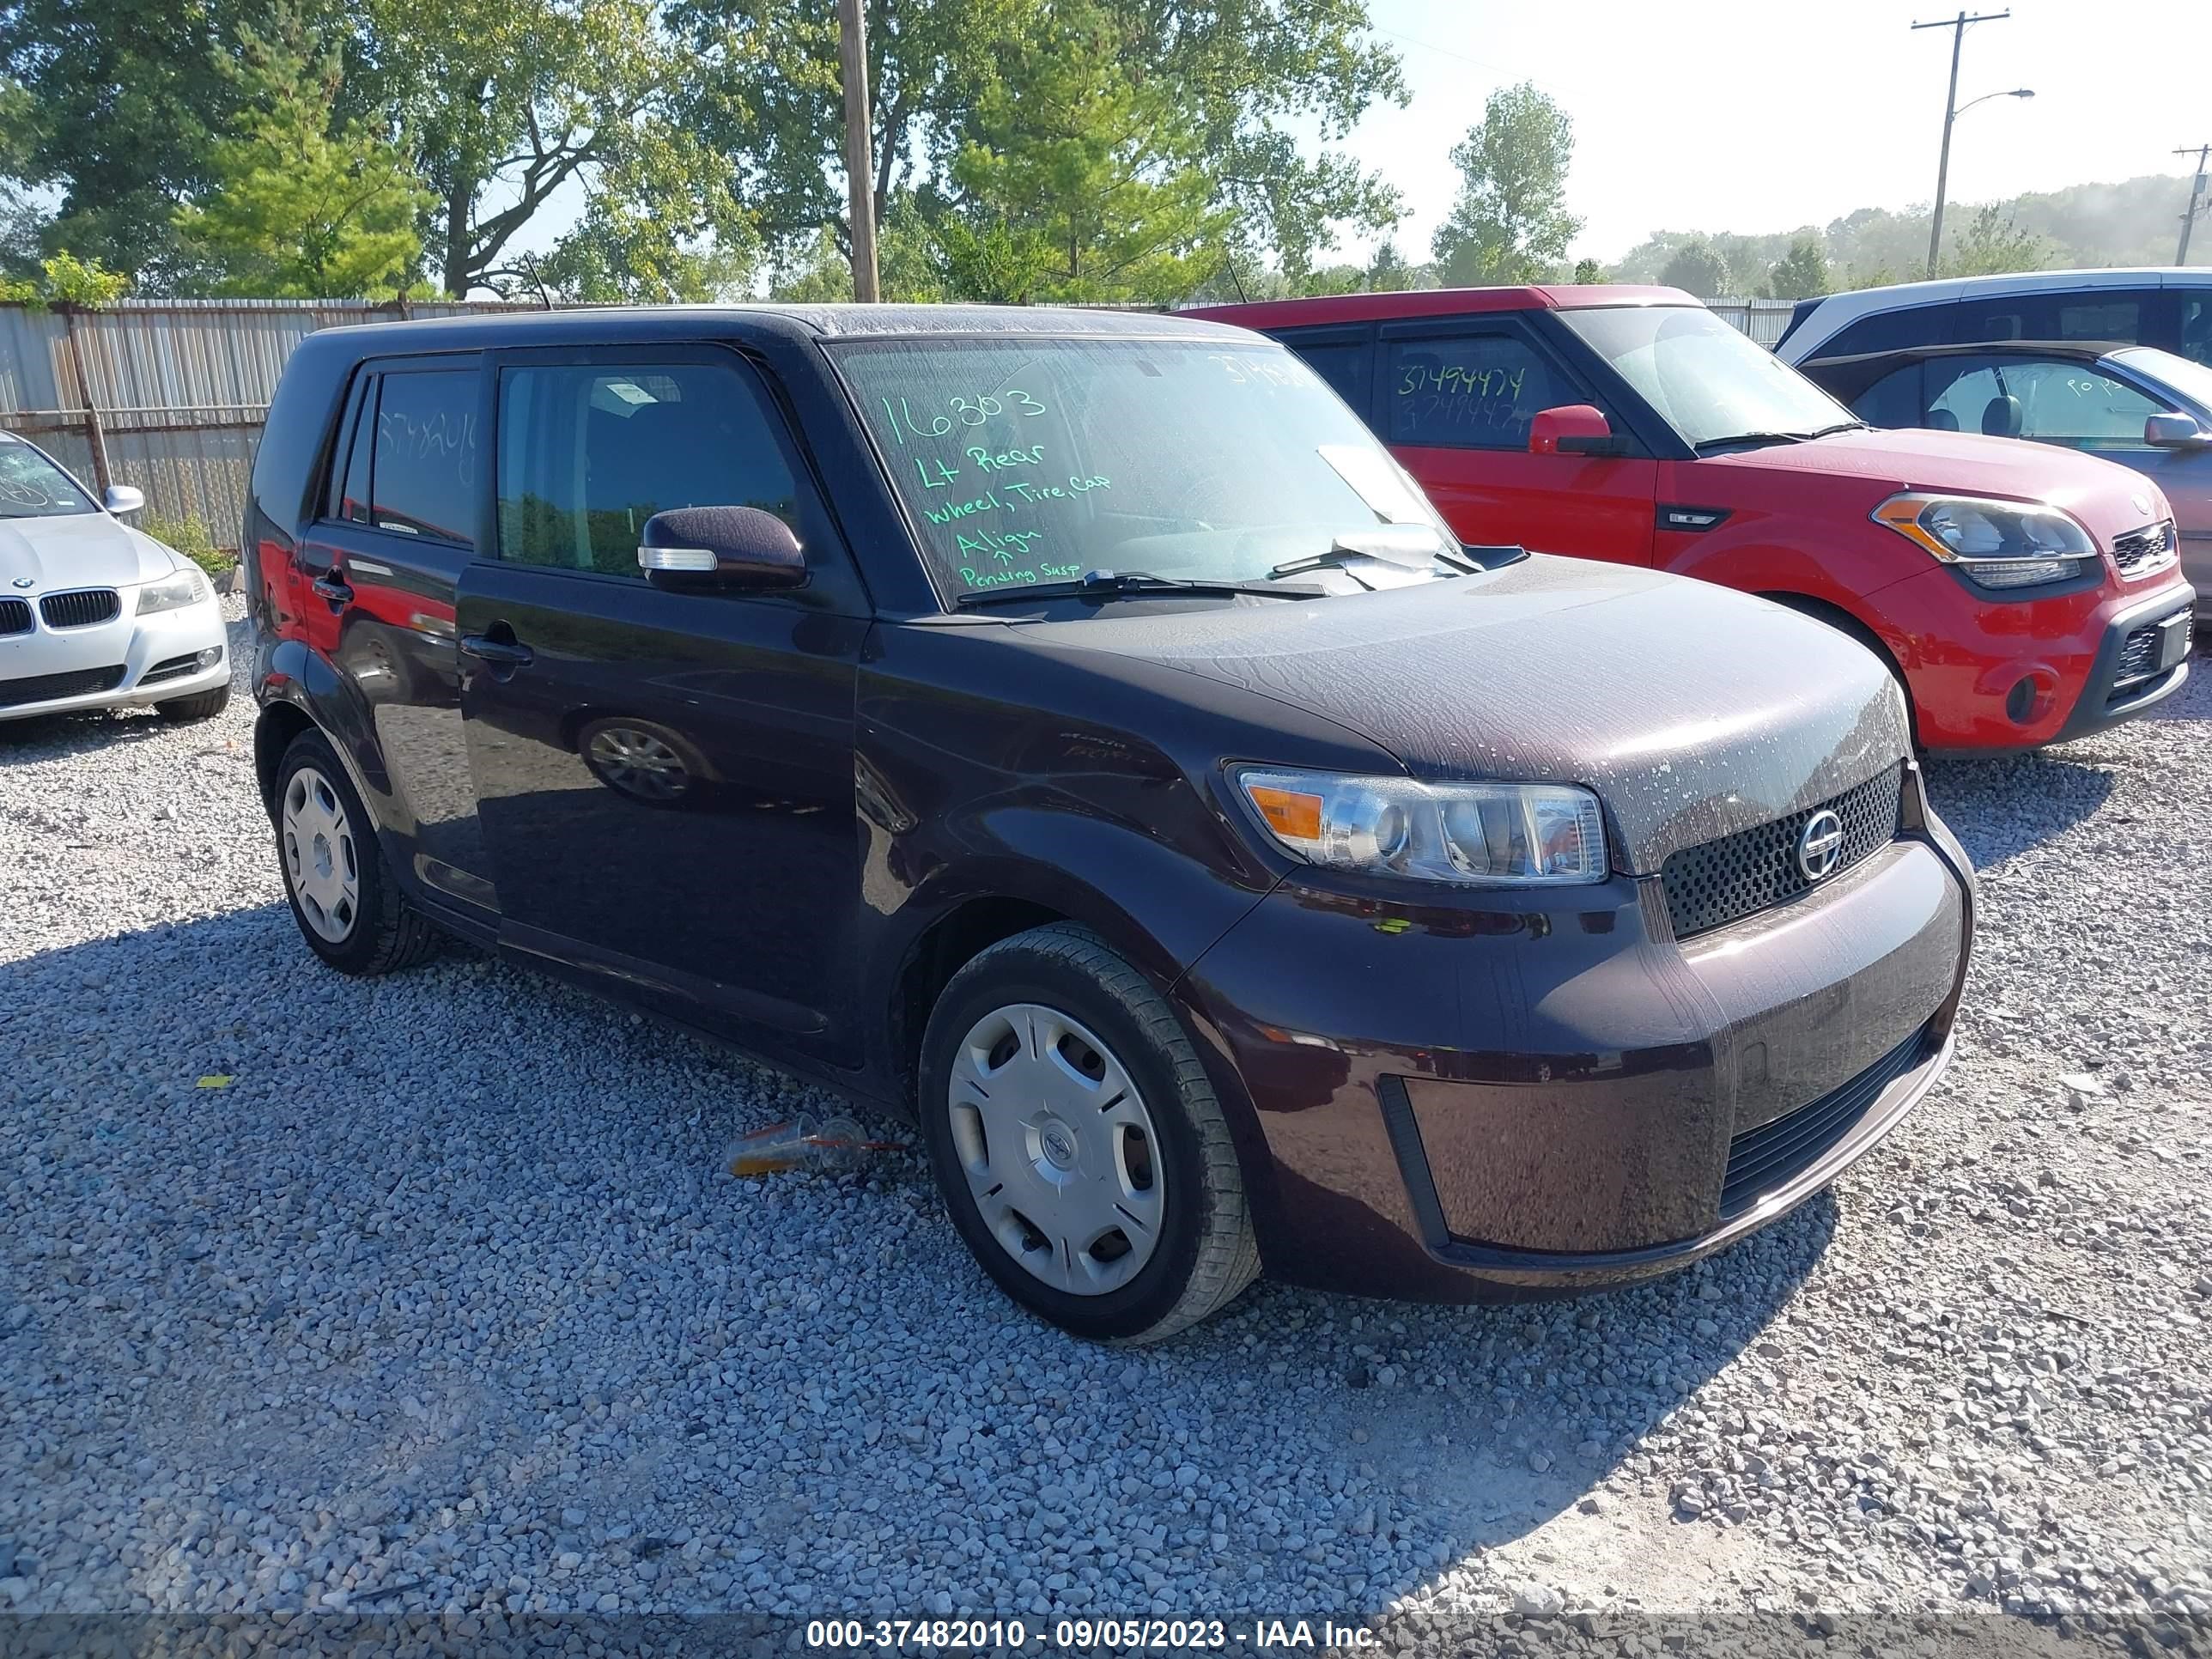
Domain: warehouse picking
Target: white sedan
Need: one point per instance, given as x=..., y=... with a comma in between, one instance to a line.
x=93, y=613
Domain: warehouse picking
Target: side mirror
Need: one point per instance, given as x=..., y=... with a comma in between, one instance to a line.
x=1573, y=429
x=2174, y=432
x=120, y=499
x=720, y=547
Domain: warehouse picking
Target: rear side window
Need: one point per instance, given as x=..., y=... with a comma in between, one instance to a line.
x=1347, y=366
x=1468, y=392
x=1886, y=331
x=424, y=476
x=587, y=453
x=2103, y=317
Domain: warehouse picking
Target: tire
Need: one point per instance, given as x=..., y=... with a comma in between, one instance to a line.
x=349, y=908
x=201, y=706
x=1089, y=1035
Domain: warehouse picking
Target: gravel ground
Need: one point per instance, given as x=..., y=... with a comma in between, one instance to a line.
x=444, y=1301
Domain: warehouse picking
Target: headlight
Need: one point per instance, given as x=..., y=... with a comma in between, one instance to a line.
x=186, y=587
x=1996, y=544
x=1477, y=835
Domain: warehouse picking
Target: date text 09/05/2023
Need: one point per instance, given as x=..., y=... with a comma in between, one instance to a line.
x=1084, y=1634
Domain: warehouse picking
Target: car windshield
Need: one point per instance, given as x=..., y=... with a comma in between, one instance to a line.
x=1023, y=462
x=2192, y=380
x=1707, y=380
x=32, y=487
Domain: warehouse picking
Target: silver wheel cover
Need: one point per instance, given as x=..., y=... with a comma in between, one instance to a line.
x=1058, y=1149
x=320, y=860
x=638, y=763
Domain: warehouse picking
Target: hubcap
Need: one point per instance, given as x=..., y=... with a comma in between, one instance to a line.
x=1058, y=1149
x=320, y=858
x=637, y=763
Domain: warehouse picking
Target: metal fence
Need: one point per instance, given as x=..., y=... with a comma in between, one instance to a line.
x=1763, y=320
x=168, y=395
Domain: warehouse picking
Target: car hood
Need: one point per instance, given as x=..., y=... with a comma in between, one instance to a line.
x=2107, y=497
x=1692, y=710
x=78, y=550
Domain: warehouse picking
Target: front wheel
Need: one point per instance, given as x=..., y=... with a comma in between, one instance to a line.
x=1077, y=1143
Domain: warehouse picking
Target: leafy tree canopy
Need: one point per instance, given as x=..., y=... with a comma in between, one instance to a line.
x=1511, y=222
x=1697, y=267
x=1800, y=273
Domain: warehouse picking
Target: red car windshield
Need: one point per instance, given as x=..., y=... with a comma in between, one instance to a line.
x=1708, y=381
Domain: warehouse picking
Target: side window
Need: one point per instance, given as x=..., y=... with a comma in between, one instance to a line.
x=424, y=482
x=1893, y=400
x=1347, y=366
x=2196, y=341
x=588, y=452
x=2103, y=316
x=1963, y=396
x=1886, y=331
x=350, y=497
x=1469, y=392
x=2073, y=405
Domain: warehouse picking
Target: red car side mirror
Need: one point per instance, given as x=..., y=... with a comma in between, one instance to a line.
x=1573, y=429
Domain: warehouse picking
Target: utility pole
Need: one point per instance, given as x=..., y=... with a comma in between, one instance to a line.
x=859, y=152
x=2196, y=203
x=1958, y=26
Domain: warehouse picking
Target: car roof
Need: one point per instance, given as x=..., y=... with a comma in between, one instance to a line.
x=1829, y=315
x=1438, y=302
x=613, y=324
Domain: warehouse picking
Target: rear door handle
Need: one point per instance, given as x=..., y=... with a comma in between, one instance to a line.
x=332, y=587
x=504, y=653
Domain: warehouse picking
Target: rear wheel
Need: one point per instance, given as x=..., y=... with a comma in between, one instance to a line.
x=1078, y=1144
x=349, y=908
x=201, y=706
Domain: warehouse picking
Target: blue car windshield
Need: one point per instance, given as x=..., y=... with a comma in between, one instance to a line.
x=1023, y=461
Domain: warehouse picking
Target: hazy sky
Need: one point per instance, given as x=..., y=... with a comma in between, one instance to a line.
x=1700, y=115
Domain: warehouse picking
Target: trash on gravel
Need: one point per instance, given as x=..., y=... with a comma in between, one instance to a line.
x=802, y=1143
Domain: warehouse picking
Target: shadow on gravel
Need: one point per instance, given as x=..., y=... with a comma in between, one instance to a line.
x=1302, y=1449
x=1999, y=808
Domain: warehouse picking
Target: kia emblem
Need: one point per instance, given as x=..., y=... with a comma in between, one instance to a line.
x=2141, y=503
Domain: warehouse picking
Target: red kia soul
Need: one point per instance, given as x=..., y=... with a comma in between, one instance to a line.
x=2022, y=595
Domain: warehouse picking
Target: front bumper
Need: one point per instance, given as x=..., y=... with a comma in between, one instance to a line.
x=131, y=660
x=2142, y=659
x=1607, y=1104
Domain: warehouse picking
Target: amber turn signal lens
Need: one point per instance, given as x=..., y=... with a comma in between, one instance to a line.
x=1288, y=813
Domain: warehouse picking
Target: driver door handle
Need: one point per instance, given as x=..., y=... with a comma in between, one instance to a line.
x=332, y=587
x=504, y=653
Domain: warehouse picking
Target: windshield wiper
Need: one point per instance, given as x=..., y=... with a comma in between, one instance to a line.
x=1704, y=444
x=1840, y=426
x=1123, y=584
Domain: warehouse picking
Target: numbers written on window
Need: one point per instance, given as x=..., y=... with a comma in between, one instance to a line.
x=424, y=482
x=587, y=454
x=1480, y=391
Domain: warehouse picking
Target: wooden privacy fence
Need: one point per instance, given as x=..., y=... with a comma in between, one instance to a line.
x=168, y=395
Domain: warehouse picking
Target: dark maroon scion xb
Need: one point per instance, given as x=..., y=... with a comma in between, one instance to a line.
x=1074, y=729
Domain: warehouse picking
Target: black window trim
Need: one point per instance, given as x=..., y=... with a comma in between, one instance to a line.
x=833, y=579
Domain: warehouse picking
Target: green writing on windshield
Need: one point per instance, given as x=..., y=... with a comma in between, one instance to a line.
x=958, y=411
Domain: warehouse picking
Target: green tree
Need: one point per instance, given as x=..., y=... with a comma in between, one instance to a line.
x=64, y=279
x=1696, y=268
x=1588, y=270
x=1387, y=271
x=293, y=209
x=506, y=101
x=1994, y=244
x=117, y=104
x=1511, y=221
x=1800, y=273
x=1222, y=83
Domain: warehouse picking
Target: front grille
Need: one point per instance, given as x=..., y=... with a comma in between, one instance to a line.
x=2142, y=552
x=1711, y=885
x=1762, y=1159
x=80, y=609
x=47, y=688
x=15, y=615
x=170, y=668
